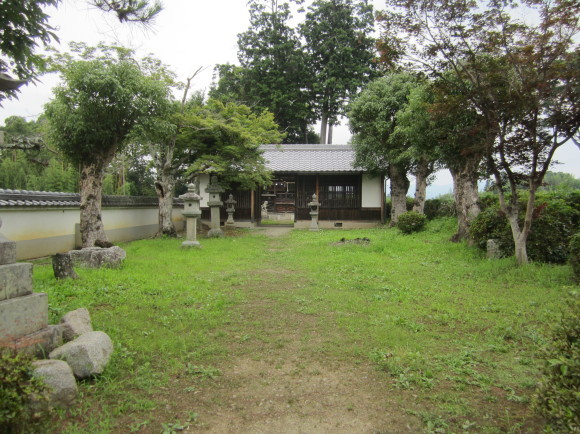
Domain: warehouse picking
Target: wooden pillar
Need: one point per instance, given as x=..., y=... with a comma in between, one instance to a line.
x=252, y=205
x=383, y=199
x=317, y=187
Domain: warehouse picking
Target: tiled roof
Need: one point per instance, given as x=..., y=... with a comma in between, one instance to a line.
x=310, y=158
x=26, y=198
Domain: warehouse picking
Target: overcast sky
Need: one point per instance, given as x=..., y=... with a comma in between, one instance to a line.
x=186, y=35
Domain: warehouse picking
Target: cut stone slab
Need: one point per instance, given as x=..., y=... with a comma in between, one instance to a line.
x=75, y=323
x=22, y=316
x=59, y=378
x=40, y=343
x=15, y=280
x=97, y=257
x=87, y=355
x=7, y=251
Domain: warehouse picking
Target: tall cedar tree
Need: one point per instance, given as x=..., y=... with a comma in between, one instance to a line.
x=521, y=77
x=273, y=74
x=340, y=56
x=104, y=95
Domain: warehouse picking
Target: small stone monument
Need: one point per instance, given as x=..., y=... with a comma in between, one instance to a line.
x=230, y=203
x=23, y=313
x=214, y=189
x=493, y=249
x=314, y=207
x=265, y=210
x=192, y=212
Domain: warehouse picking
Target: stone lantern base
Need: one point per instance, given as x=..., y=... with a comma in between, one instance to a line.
x=190, y=244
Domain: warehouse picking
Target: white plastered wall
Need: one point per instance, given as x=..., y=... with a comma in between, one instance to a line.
x=371, y=191
x=44, y=231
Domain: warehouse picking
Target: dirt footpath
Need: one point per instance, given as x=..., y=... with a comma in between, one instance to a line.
x=279, y=378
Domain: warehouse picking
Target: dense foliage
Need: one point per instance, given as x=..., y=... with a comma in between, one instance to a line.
x=411, y=221
x=443, y=206
x=556, y=220
x=557, y=395
x=575, y=256
x=519, y=73
x=18, y=386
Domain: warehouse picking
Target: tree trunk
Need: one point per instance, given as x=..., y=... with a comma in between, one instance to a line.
x=330, y=129
x=164, y=189
x=466, y=197
x=323, y=126
x=91, y=185
x=422, y=173
x=520, y=235
x=62, y=266
x=399, y=187
x=520, y=239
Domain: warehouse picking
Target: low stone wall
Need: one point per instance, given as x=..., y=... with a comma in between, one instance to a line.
x=43, y=223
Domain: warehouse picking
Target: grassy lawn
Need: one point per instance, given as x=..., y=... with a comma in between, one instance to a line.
x=448, y=338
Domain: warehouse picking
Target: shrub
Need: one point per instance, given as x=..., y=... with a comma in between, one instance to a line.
x=557, y=395
x=411, y=221
x=575, y=256
x=556, y=217
x=442, y=206
x=18, y=387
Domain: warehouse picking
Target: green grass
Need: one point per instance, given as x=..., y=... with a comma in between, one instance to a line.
x=457, y=332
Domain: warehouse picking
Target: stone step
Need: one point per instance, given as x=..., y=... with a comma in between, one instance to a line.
x=15, y=280
x=7, y=250
x=40, y=343
x=22, y=316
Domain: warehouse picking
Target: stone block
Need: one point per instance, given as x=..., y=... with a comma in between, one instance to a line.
x=75, y=323
x=97, y=257
x=87, y=355
x=15, y=280
x=40, y=343
x=59, y=378
x=7, y=251
x=22, y=316
x=493, y=249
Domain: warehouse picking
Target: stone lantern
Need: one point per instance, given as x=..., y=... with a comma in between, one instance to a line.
x=230, y=210
x=214, y=189
x=192, y=212
x=314, y=207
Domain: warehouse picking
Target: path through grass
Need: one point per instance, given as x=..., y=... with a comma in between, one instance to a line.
x=299, y=333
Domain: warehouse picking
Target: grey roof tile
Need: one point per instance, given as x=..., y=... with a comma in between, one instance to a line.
x=310, y=158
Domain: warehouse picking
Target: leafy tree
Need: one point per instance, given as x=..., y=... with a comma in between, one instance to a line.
x=340, y=55
x=24, y=25
x=560, y=181
x=207, y=137
x=28, y=164
x=379, y=147
x=415, y=127
x=105, y=94
x=457, y=132
x=273, y=74
x=226, y=140
x=522, y=78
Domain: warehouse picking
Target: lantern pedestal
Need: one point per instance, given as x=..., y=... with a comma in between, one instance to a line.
x=214, y=189
x=192, y=212
x=314, y=207
x=230, y=223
